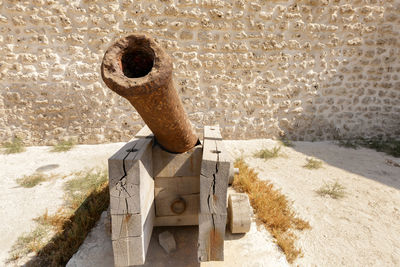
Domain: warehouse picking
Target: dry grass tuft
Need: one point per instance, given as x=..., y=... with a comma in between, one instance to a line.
x=16, y=146
x=334, y=190
x=63, y=146
x=29, y=242
x=86, y=198
x=272, y=209
x=77, y=189
x=29, y=181
x=313, y=164
x=268, y=153
x=55, y=221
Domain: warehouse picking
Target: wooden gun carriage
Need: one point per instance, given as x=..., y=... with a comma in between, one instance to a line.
x=165, y=176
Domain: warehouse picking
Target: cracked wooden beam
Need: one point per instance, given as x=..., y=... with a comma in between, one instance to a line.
x=132, y=209
x=214, y=176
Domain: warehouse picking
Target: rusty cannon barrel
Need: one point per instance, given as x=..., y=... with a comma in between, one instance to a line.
x=136, y=68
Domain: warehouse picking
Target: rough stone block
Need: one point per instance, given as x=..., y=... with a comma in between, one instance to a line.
x=167, y=241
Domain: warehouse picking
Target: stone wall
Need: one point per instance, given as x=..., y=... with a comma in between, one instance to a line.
x=311, y=69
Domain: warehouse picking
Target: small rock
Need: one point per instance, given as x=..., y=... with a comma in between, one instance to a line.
x=167, y=241
x=392, y=163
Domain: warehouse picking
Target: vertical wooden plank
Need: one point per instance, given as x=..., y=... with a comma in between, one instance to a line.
x=129, y=176
x=212, y=132
x=214, y=176
x=146, y=179
x=148, y=229
x=211, y=236
x=132, y=211
x=127, y=225
x=132, y=250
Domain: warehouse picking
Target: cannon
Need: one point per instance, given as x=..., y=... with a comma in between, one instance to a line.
x=136, y=68
x=164, y=176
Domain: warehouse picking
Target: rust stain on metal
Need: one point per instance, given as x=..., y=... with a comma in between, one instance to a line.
x=178, y=206
x=136, y=68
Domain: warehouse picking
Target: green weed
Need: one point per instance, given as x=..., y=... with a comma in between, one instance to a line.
x=63, y=146
x=268, y=153
x=86, y=197
x=334, y=190
x=313, y=164
x=29, y=181
x=15, y=146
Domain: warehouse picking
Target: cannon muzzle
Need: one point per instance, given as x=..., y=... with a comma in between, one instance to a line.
x=136, y=68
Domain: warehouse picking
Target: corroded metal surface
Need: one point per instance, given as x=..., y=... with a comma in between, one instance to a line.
x=178, y=206
x=136, y=68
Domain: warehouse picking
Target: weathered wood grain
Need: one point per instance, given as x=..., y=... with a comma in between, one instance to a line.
x=132, y=209
x=132, y=250
x=127, y=225
x=239, y=213
x=130, y=178
x=176, y=185
x=145, y=132
x=212, y=132
x=164, y=204
x=211, y=237
x=174, y=165
x=214, y=177
x=181, y=220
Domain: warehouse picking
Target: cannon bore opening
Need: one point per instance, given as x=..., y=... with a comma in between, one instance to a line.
x=136, y=63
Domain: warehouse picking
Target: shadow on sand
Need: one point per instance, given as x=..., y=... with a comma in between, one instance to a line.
x=368, y=164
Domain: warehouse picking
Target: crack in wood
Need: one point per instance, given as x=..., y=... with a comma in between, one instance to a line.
x=211, y=207
x=122, y=183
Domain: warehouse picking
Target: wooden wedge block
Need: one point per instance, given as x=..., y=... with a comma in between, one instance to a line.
x=239, y=213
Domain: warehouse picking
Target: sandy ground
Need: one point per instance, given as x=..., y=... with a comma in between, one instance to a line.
x=361, y=229
x=255, y=249
x=18, y=205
